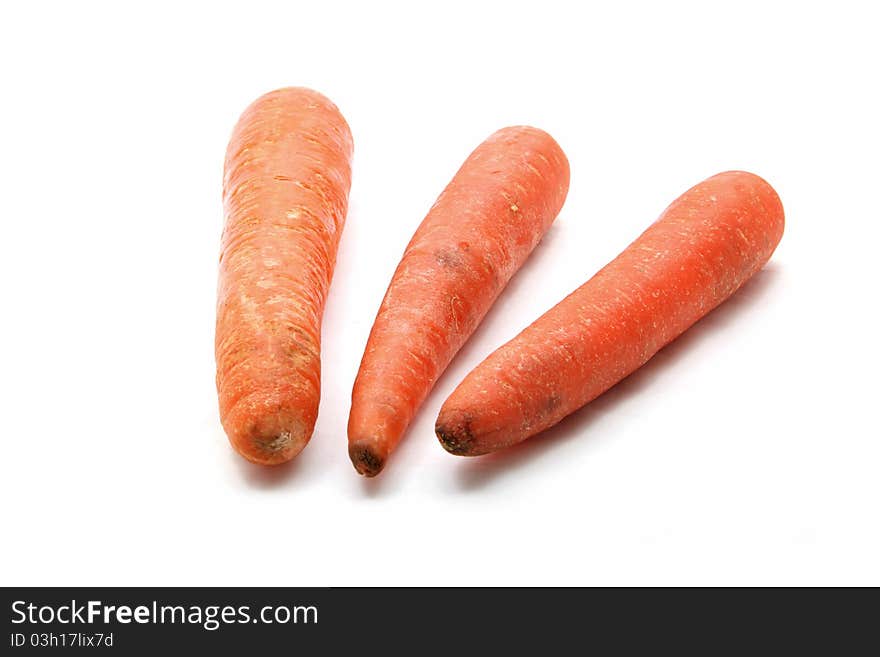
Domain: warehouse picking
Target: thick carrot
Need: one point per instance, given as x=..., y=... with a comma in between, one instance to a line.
x=475, y=237
x=703, y=247
x=285, y=192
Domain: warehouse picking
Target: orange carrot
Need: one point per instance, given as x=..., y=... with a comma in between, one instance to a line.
x=285, y=192
x=703, y=247
x=475, y=237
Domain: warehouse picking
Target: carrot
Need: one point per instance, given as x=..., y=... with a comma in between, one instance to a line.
x=285, y=192
x=475, y=237
x=703, y=247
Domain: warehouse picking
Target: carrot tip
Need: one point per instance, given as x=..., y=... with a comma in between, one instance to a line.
x=365, y=459
x=456, y=440
x=272, y=449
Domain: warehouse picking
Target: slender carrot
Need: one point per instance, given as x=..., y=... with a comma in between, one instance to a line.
x=699, y=252
x=285, y=192
x=475, y=237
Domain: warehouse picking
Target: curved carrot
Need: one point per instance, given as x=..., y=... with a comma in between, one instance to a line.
x=699, y=252
x=285, y=193
x=474, y=238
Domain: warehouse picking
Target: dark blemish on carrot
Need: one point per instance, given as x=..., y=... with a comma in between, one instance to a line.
x=365, y=460
x=456, y=440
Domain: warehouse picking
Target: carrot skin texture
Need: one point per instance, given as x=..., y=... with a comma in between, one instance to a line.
x=285, y=192
x=703, y=247
x=474, y=238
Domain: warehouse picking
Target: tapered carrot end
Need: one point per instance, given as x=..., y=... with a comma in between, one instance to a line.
x=365, y=458
x=455, y=436
x=267, y=437
x=273, y=449
x=277, y=449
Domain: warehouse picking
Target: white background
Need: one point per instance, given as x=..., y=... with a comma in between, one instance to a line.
x=745, y=453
